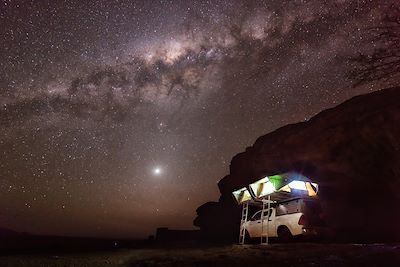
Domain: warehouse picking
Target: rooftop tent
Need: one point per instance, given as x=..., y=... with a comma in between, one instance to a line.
x=300, y=184
x=242, y=195
x=266, y=185
x=301, y=187
x=284, y=185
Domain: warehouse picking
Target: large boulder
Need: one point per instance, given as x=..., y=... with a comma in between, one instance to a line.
x=351, y=150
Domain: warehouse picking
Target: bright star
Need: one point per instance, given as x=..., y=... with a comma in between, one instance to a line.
x=157, y=171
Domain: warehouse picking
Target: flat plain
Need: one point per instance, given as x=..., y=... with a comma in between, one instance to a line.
x=282, y=255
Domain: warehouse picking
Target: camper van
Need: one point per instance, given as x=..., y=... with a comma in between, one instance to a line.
x=286, y=219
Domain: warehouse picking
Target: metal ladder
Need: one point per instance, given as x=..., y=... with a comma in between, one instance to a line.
x=266, y=205
x=245, y=213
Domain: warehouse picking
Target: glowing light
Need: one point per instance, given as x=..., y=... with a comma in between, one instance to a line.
x=242, y=195
x=263, y=187
x=268, y=188
x=310, y=188
x=174, y=51
x=299, y=185
x=157, y=171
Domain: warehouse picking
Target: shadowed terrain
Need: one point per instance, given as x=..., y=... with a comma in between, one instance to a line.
x=352, y=151
x=299, y=254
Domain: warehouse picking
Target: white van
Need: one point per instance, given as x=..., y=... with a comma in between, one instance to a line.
x=294, y=217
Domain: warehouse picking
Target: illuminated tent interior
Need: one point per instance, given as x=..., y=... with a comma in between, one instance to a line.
x=242, y=195
x=279, y=187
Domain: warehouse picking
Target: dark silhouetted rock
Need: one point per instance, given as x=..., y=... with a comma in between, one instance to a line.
x=351, y=150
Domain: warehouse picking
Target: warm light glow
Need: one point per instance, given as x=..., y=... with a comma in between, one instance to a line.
x=242, y=195
x=312, y=189
x=276, y=184
x=262, y=187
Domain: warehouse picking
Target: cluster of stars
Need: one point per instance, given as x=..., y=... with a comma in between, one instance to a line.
x=131, y=110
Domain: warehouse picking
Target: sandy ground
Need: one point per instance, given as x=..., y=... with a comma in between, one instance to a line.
x=299, y=254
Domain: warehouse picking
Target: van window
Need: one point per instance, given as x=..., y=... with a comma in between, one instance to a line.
x=266, y=213
x=256, y=216
x=289, y=207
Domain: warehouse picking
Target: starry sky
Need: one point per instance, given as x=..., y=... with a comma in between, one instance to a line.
x=117, y=116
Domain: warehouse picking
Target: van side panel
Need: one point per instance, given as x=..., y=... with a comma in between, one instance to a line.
x=291, y=222
x=289, y=207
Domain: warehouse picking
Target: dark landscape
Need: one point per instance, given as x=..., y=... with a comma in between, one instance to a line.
x=354, y=156
x=305, y=254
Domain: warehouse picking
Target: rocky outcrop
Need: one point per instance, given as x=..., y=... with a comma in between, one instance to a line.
x=352, y=151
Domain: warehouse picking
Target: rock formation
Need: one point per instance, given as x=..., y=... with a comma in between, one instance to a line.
x=352, y=151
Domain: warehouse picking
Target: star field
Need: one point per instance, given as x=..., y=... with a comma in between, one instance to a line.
x=117, y=117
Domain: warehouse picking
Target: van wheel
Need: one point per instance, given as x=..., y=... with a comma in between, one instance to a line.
x=284, y=234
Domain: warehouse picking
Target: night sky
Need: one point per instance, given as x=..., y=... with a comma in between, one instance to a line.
x=117, y=117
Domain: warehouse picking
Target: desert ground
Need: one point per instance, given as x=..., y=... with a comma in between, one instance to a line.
x=298, y=254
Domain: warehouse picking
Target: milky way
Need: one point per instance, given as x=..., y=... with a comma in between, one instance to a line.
x=95, y=96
